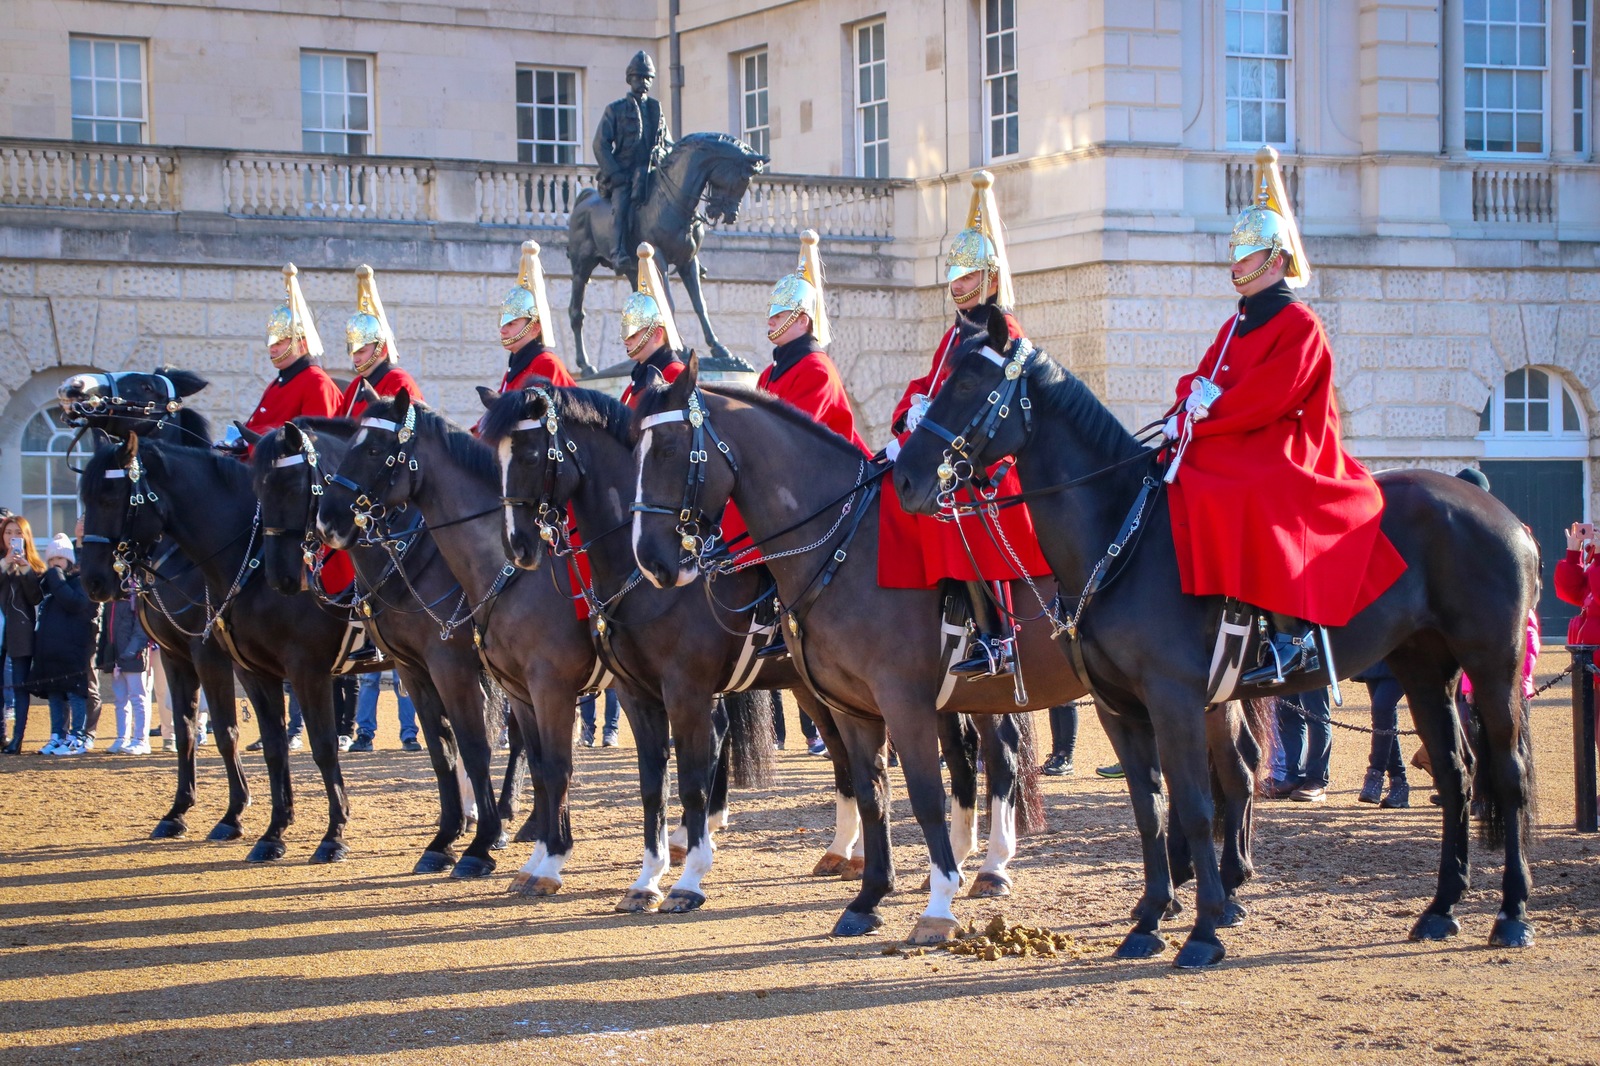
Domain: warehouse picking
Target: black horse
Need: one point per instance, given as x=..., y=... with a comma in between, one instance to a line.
x=133, y=495
x=1471, y=578
x=171, y=590
x=878, y=655
x=531, y=637
x=713, y=167
x=404, y=587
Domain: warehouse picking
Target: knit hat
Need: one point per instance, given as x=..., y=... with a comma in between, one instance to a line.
x=1474, y=475
x=61, y=545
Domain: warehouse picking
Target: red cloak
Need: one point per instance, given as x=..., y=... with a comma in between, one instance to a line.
x=1268, y=507
x=395, y=379
x=309, y=392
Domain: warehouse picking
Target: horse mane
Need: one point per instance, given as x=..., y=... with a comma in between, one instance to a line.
x=577, y=406
x=466, y=450
x=714, y=139
x=1056, y=390
x=156, y=453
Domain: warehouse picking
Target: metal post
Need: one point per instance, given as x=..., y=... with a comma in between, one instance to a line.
x=1587, y=817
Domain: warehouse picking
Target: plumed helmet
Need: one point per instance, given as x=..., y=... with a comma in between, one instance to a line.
x=1268, y=225
x=980, y=245
x=801, y=292
x=641, y=63
x=369, y=325
x=648, y=307
x=528, y=298
x=292, y=319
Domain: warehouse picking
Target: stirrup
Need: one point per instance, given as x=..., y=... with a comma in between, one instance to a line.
x=992, y=657
x=1287, y=656
x=778, y=649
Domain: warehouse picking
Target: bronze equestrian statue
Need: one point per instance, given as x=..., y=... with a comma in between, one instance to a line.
x=630, y=145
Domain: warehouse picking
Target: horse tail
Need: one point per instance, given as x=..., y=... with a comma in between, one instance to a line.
x=1030, y=798
x=750, y=736
x=1485, y=782
x=1260, y=738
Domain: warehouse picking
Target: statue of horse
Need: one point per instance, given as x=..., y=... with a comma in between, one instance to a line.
x=713, y=167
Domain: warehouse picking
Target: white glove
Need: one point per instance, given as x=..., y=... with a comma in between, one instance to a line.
x=1170, y=430
x=891, y=450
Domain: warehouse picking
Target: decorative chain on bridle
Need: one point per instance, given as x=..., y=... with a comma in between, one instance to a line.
x=547, y=515
x=697, y=534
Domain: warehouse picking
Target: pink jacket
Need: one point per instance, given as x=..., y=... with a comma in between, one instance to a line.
x=1530, y=656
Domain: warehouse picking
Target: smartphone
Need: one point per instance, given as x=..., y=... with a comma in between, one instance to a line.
x=16, y=546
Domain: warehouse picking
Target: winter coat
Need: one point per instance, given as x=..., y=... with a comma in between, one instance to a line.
x=19, y=600
x=64, y=638
x=1578, y=583
x=123, y=643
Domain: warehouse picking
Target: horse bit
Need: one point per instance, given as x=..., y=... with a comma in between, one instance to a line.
x=690, y=515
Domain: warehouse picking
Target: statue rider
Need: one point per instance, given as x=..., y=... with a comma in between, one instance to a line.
x=630, y=144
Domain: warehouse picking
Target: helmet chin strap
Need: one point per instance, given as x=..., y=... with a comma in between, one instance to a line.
x=774, y=334
x=288, y=357
x=1258, y=271
x=380, y=352
x=981, y=285
x=523, y=332
x=644, y=338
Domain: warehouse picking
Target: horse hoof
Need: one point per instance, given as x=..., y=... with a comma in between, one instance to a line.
x=433, y=862
x=1432, y=926
x=536, y=887
x=853, y=870
x=1233, y=913
x=931, y=932
x=223, y=832
x=989, y=885
x=470, y=866
x=501, y=843
x=266, y=851
x=1140, y=946
x=169, y=829
x=635, y=901
x=329, y=851
x=676, y=855
x=521, y=878
x=830, y=865
x=1511, y=933
x=855, y=923
x=682, y=901
x=1199, y=954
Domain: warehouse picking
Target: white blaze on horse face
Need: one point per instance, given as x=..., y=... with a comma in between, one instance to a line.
x=361, y=435
x=846, y=825
x=963, y=831
x=1002, y=836
x=641, y=454
x=503, y=450
x=942, y=889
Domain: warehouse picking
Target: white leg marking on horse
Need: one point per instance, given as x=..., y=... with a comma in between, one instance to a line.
x=717, y=821
x=679, y=837
x=1155, y=778
x=942, y=890
x=1002, y=836
x=695, y=867
x=846, y=825
x=469, y=798
x=653, y=866
x=551, y=867
x=540, y=854
x=963, y=831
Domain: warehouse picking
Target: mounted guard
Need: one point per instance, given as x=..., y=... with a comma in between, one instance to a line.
x=649, y=332
x=523, y=315
x=985, y=551
x=302, y=387
x=629, y=145
x=373, y=355
x=1268, y=509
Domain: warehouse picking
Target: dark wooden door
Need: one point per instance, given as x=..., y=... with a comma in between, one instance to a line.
x=1547, y=494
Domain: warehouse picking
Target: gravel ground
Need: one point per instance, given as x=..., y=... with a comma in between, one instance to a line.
x=115, y=948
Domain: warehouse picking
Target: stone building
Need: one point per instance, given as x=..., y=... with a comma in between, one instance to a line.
x=1439, y=155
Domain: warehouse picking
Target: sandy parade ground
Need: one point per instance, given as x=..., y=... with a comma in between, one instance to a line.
x=116, y=948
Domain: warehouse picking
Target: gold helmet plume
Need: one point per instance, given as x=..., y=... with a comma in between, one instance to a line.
x=648, y=308
x=369, y=325
x=292, y=319
x=981, y=246
x=1268, y=225
x=528, y=298
x=801, y=292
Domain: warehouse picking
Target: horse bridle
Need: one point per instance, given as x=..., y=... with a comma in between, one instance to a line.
x=97, y=405
x=368, y=511
x=959, y=462
x=550, y=518
x=690, y=516
x=124, y=553
x=307, y=457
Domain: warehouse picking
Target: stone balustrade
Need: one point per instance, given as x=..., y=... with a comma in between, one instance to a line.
x=262, y=186
x=1513, y=194
x=67, y=174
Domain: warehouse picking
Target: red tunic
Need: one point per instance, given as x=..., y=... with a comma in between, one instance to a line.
x=813, y=385
x=544, y=365
x=1268, y=507
x=309, y=392
x=916, y=551
x=351, y=404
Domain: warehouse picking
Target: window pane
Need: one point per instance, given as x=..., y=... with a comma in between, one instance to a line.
x=1233, y=76
x=358, y=113
x=1516, y=385
x=79, y=51
x=524, y=123
x=1250, y=120
x=130, y=61
x=356, y=71
x=1532, y=53
x=1497, y=88
x=1538, y=385
x=1277, y=124
x=1530, y=90
x=132, y=104
x=82, y=96
x=524, y=86
x=1484, y=418
x=1569, y=413
x=1476, y=39
x=1503, y=46
x=1472, y=88
x=1503, y=10
x=1250, y=78
x=1255, y=36
x=545, y=125
x=1273, y=87
x=1278, y=34
x=1538, y=418
x=1530, y=132
x=105, y=59
x=1008, y=52
x=310, y=74
x=1532, y=10
x=1515, y=418
x=1233, y=34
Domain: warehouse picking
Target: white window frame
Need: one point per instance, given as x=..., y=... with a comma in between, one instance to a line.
x=40, y=507
x=323, y=129
x=528, y=147
x=1582, y=65
x=1237, y=13
x=1485, y=30
x=93, y=80
x=755, y=99
x=1553, y=442
x=998, y=76
x=877, y=106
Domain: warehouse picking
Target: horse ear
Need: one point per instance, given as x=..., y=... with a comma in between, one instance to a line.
x=129, y=450
x=687, y=381
x=488, y=396
x=293, y=440
x=368, y=394
x=402, y=402
x=251, y=437
x=999, y=330
x=184, y=382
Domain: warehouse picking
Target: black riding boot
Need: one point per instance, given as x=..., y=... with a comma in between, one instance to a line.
x=992, y=652
x=1292, y=650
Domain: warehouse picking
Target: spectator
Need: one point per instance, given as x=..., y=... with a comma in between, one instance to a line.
x=21, y=571
x=808, y=729
x=367, y=712
x=346, y=690
x=1063, y=740
x=66, y=630
x=297, y=723
x=608, y=738
x=1306, y=733
x=1577, y=581
x=124, y=653
x=1384, y=756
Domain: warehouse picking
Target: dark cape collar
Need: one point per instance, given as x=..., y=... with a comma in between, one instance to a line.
x=785, y=356
x=1256, y=311
x=379, y=372
x=654, y=368
x=524, y=356
x=288, y=373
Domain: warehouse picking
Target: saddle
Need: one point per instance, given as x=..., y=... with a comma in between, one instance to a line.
x=1244, y=639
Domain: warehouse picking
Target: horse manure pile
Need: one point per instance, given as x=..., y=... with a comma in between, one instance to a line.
x=998, y=940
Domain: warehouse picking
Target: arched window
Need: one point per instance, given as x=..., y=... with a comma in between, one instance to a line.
x=49, y=487
x=1534, y=414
